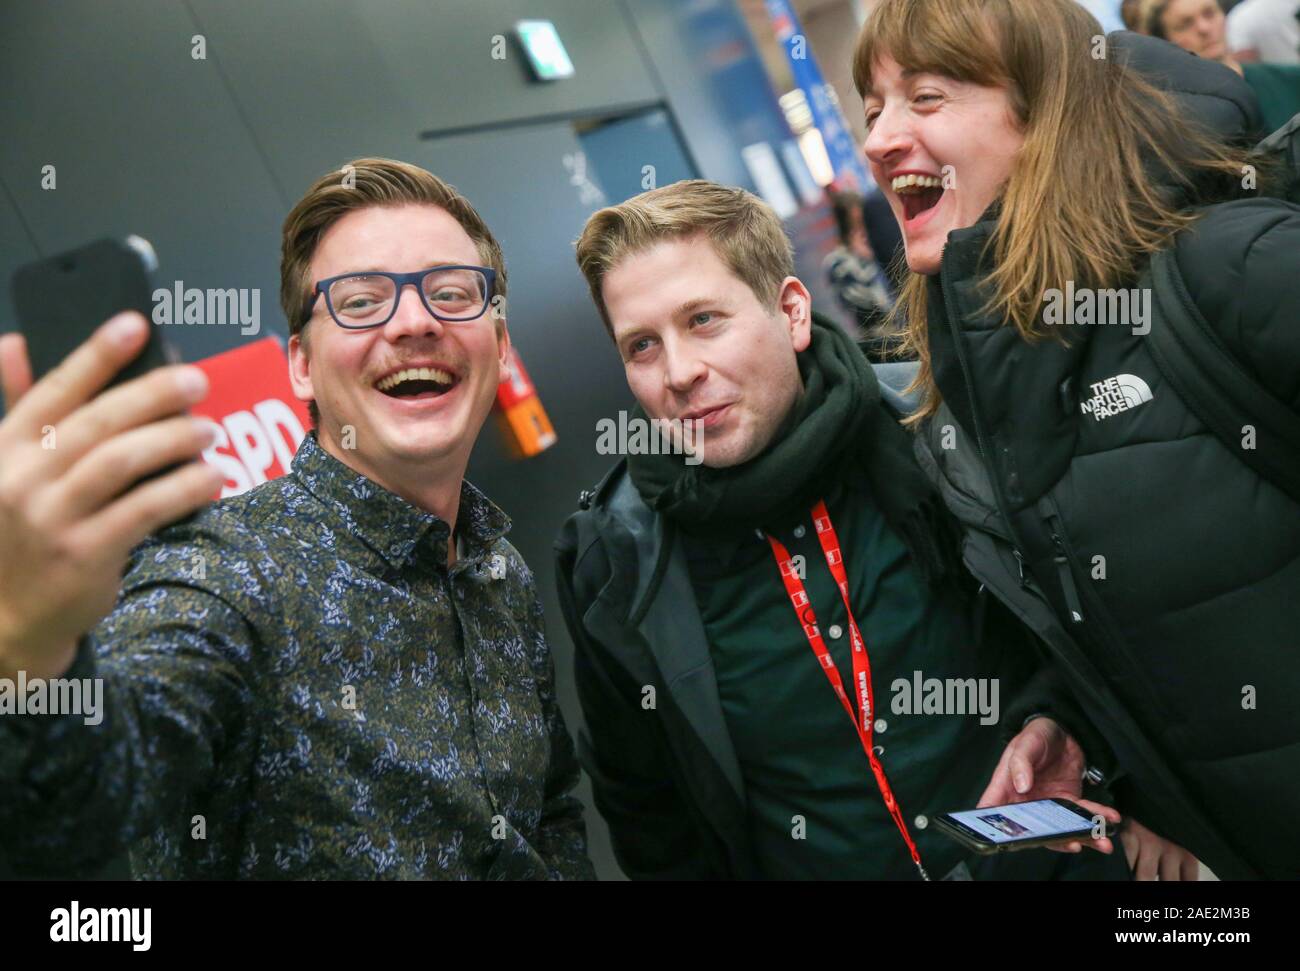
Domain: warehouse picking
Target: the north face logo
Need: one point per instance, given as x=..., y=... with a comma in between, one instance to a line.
x=1120, y=393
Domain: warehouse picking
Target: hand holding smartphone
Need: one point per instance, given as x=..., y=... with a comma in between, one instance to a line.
x=96, y=450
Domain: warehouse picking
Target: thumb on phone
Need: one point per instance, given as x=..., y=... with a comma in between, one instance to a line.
x=1022, y=771
x=1012, y=766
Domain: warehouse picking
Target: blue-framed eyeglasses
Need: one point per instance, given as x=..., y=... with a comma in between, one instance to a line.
x=359, y=301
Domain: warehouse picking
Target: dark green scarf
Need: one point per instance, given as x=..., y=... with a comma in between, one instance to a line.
x=838, y=428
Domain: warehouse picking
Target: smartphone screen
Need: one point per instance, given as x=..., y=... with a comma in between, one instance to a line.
x=1037, y=820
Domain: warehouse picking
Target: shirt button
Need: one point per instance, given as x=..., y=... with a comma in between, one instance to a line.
x=836, y=631
x=921, y=822
x=799, y=532
x=881, y=725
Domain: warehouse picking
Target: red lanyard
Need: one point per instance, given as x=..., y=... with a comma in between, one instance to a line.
x=861, y=717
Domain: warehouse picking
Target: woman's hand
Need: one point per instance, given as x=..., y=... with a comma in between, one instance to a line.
x=1045, y=762
x=1153, y=857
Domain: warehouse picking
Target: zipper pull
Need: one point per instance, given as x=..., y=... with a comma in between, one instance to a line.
x=1020, y=562
x=1067, y=580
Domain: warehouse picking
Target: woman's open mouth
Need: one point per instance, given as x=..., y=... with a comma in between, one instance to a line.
x=918, y=194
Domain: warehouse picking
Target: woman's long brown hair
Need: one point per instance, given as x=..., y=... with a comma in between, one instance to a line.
x=1079, y=204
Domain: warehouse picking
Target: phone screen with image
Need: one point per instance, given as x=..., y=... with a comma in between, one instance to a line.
x=1036, y=820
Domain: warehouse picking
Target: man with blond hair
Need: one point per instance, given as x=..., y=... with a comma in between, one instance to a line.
x=751, y=628
x=340, y=674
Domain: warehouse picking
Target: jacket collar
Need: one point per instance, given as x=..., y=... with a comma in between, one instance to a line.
x=649, y=598
x=386, y=523
x=1026, y=395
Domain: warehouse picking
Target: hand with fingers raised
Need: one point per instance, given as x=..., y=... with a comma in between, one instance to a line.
x=79, y=485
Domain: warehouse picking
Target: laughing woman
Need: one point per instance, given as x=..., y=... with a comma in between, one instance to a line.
x=1159, y=569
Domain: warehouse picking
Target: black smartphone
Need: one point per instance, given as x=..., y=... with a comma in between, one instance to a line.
x=1022, y=825
x=62, y=299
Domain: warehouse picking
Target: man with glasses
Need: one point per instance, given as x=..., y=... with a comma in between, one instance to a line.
x=341, y=673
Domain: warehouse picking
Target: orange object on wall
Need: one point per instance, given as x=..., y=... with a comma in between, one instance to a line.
x=527, y=429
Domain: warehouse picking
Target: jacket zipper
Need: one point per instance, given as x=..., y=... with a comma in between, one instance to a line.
x=965, y=367
x=1062, y=562
x=975, y=417
x=1063, y=570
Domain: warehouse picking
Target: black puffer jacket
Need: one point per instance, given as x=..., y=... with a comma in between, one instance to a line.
x=1161, y=573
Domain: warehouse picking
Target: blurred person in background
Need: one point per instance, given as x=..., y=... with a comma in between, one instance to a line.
x=1200, y=26
x=1158, y=568
x=884, y=237
x=1265, y=30
x=859, y=282
x=1130, y=11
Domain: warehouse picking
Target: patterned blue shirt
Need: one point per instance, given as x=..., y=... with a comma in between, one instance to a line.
x=297, y=686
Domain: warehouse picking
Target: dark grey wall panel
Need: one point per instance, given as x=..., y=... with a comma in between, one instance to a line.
x=443, y=51
x=322, y=81
x=313, y=82
x=16, y=248
x=145, y=139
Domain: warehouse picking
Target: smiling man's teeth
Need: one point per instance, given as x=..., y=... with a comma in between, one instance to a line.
x=415, y=374
x=915, y=183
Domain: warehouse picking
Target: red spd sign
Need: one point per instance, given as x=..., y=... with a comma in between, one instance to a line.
x=258, y=420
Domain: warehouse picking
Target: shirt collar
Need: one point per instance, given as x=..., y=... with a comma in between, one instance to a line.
x=385, y=522
x=733, y=548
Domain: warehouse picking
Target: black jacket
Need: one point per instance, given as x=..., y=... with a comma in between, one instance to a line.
x=1160, y=571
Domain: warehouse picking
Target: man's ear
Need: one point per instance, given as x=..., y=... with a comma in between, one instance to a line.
x=503, y=348
x=300, y=368
x=794, y=303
